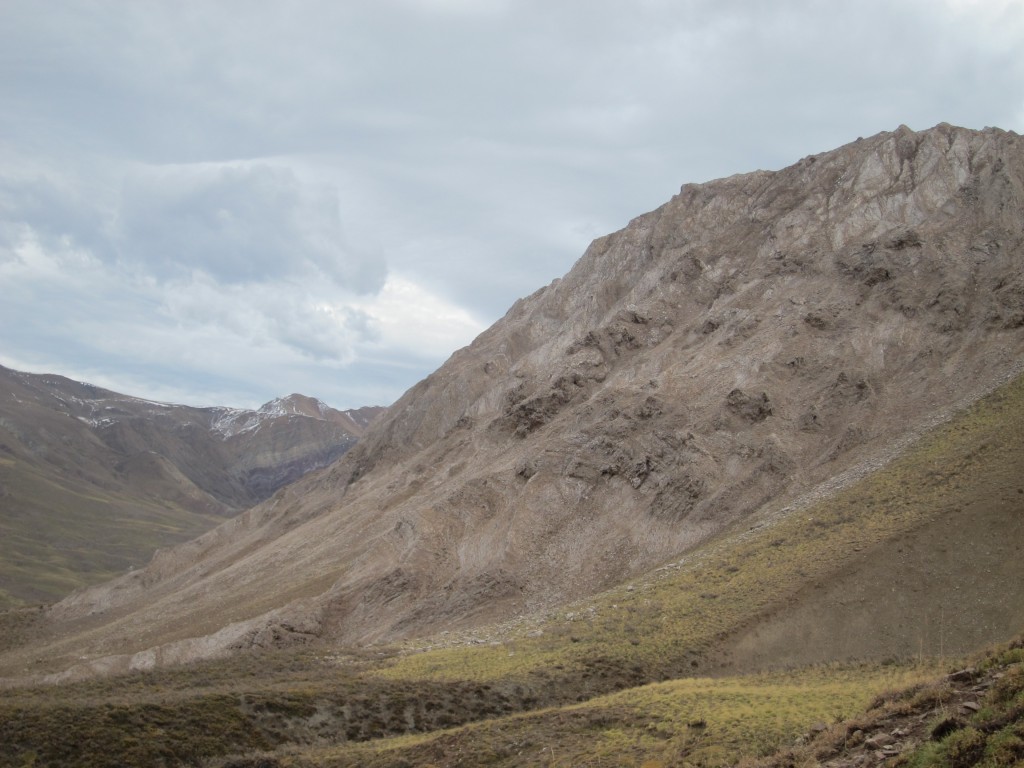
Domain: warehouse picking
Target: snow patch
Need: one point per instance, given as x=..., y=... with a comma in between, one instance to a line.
x=233, y=421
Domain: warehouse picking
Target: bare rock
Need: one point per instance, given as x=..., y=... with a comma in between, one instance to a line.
x=879, y=740
x=751, y=408
x=965, y=675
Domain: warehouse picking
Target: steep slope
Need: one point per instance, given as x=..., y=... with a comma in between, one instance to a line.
x=743, y=344
x=91, y=482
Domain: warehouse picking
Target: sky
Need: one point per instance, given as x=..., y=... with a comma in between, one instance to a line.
x=219, y=203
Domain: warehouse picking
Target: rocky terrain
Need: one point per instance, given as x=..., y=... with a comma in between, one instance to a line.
x=68, y=447
x=731, y=351
x=970, y=716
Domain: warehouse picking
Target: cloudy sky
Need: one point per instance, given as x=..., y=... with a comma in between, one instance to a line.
x=223, y=202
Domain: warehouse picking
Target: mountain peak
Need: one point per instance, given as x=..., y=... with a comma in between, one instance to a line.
x=295, y=405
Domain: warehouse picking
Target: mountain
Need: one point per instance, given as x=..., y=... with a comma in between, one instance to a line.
x=754, y=345
x=91, y=481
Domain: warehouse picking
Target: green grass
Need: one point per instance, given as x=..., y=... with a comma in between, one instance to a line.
x=936, y=731
x=58, y=537
x=994, y=736
x=697, y=720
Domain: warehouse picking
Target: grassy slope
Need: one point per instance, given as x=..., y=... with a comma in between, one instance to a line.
x=573, y=694
x=679, y=617
x=709, y=721
x=44, y=565
x=971, y=717
x=991, y=737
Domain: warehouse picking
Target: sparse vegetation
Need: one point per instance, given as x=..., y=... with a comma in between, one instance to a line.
x=667, y=625
x=971, y=717
x=607, y=682
x=699, y=720
x=45, y=565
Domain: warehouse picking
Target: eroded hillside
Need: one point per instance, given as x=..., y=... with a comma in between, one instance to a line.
x=740, y=346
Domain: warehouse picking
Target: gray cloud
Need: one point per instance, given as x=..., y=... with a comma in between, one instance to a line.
x=49, y=208
x=238, y=224
x=194, y=194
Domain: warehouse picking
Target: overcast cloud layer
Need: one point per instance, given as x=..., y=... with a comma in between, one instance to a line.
x=220, y=203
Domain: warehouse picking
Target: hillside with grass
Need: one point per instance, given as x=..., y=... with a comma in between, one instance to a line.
x=655, y=672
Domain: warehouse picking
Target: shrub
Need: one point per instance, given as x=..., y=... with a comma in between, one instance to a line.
x=964, y=748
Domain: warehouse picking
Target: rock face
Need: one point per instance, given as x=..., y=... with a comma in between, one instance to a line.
x=62, y=441
x=748, y=340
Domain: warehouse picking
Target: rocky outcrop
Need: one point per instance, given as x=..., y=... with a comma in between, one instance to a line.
x=746, y=341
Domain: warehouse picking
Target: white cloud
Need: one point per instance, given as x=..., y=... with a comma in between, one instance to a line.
x=408, y=317
x=222, y=328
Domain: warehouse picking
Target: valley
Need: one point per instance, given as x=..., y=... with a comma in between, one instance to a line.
x=749, y=474
x=92, y=482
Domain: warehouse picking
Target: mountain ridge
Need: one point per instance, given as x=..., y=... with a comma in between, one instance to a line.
x=68, y=447
x=576, y=681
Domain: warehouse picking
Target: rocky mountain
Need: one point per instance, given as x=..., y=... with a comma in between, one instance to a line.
x=92, y=481
x=755, y=342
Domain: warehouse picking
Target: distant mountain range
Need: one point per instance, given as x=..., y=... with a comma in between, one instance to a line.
x=92, y=481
